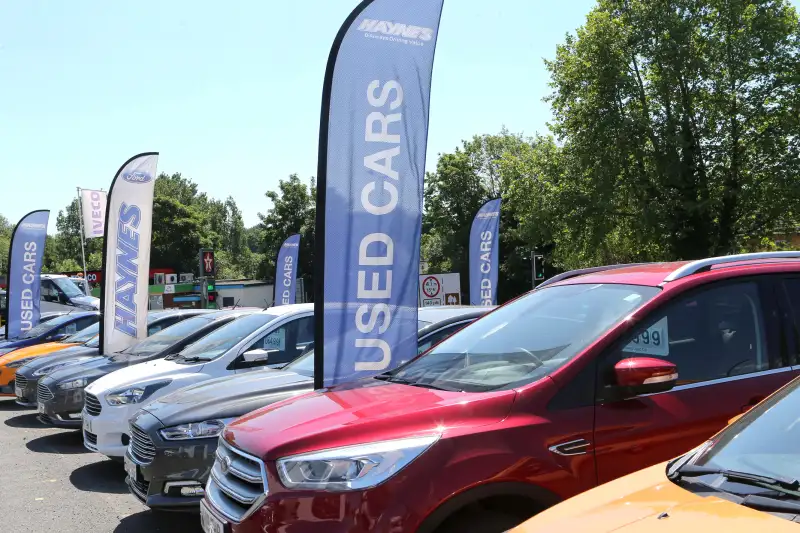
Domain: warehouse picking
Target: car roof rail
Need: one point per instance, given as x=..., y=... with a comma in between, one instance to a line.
x=704, y=265
x=583, y=271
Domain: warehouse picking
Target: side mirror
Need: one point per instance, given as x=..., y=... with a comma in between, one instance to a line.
x=57, y=337
x=256, y=356
x=645, y=375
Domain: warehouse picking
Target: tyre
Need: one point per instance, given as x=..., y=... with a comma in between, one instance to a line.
x=480, y=521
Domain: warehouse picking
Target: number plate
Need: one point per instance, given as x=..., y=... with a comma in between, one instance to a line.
x=87, y=424
x=210, y=523
x=40, y=408
x=131, y=469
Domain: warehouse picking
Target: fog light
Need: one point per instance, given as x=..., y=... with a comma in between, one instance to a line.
x=74, y=416
x=184, y=488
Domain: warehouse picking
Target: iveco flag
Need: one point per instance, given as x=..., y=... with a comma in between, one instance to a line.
x=483, y=254
x=93, y=210
x=286, y=271
x=24, y=271
x=373, y=137
x=126, y=257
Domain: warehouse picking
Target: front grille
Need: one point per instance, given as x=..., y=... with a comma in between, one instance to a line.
x=43, y=393
x=237, y=485
x=21, y=382
x=93, y=405
x=90, y=438
x=139, y=488
x=141, y=446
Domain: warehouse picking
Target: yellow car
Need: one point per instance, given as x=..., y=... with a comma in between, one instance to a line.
x=12, y=361
x=744, y=479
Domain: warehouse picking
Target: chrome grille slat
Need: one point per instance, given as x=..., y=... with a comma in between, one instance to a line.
x=141, y=446
x=238, y=488
x=91, y=438
x=92, y=404
x=21, y=381
x=43, y=393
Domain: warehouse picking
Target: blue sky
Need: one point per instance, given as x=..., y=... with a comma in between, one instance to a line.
x=230, y=95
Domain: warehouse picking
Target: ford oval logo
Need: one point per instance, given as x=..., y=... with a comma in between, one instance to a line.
x=225, y=464
x=137, y=177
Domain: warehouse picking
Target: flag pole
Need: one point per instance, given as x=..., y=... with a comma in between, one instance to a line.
x=80, y=217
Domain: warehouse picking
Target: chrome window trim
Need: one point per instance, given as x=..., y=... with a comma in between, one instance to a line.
x=719, y=381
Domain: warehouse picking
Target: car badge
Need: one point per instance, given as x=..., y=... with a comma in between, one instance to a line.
x=225, y=464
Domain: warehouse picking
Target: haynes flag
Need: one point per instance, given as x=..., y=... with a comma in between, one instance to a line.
x=126, y=254
x=93, y=211
x=373, y=140
x=484, y=244
x=24, y=273
x=286, y=271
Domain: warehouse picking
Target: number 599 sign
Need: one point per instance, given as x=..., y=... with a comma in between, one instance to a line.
x=652, y=341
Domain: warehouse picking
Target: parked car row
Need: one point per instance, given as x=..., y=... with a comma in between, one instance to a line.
x=505, y=413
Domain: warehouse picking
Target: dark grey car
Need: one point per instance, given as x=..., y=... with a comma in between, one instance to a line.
x=27, y=377
x=60, y=393
x=174, y=439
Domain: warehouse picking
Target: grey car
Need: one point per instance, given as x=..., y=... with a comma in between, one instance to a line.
x=174, y=439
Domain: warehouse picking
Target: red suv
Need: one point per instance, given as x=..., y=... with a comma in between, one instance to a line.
x=597, y=374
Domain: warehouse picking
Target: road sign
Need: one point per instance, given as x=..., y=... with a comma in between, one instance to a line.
x=431, y=287
x=208, y=266
x=431, y=302
x=452, y=299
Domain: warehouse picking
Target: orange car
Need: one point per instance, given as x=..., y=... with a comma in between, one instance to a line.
x=744, y=479
x=10, y=362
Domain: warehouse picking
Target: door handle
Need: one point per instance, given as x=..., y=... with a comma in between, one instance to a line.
x=573, y=447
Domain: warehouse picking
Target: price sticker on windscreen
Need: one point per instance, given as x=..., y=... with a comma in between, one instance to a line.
x=652, y=341
x=276, y=340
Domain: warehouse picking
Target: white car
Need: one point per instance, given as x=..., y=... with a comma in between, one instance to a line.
x=270, y=338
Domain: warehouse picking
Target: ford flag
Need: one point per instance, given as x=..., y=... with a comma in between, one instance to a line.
x=286, y=272
x=373, y=138
x=24, y=273
x=126, y=254
x=93, y=211
x=484, y=245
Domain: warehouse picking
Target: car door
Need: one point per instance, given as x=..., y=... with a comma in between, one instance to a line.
x=284, y=343
x=726, y=340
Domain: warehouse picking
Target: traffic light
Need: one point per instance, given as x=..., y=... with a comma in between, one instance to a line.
x=210, y=292
x=538, y=268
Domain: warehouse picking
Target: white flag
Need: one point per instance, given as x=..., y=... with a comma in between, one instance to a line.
x=93, y=208
x=126, y=264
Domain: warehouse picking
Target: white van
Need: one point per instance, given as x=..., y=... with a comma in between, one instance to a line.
x=271, y=338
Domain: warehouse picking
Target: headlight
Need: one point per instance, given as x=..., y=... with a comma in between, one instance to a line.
x=19, y=362
x=195, y=430
x=74, y=384
x=135, y=394
x=351, y=468
x=55, y=366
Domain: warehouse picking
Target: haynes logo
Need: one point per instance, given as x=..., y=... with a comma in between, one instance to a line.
x=395, y=30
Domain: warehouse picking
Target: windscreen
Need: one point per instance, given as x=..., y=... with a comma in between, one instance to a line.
x=220, y=341
x=524, y=340
x=68, y=287
x=85, y=335
x=167, y=337
x=43, y=328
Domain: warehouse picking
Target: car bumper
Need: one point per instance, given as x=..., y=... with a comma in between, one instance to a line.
x=174, y=479
x=26, y=396
x=63, y=409
x=107, y=433
x=8, y=390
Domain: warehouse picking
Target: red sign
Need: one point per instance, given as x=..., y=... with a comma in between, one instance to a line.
x=207, y=262
x=431, y=286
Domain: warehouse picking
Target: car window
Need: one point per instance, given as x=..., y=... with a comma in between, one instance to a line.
x=164, y=323
x=791, y=288
x=68, y=287
x=160, y=340
x=715, y=333
x=287, y=342
x=44, y=327
x=438, y=336
x=763, y=442
x=525, y=340
x=223, y=339
x=66, y=329
x=86, y=334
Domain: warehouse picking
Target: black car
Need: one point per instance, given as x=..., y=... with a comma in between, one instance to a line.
x=174, y=439
x=27, y=378
x=59, y=394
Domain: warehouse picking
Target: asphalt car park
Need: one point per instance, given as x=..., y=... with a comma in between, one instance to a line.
x=50, y=483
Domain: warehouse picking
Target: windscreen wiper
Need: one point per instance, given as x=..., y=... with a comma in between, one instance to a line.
x=402, y=381
x=193, y=359
x=784, y=485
